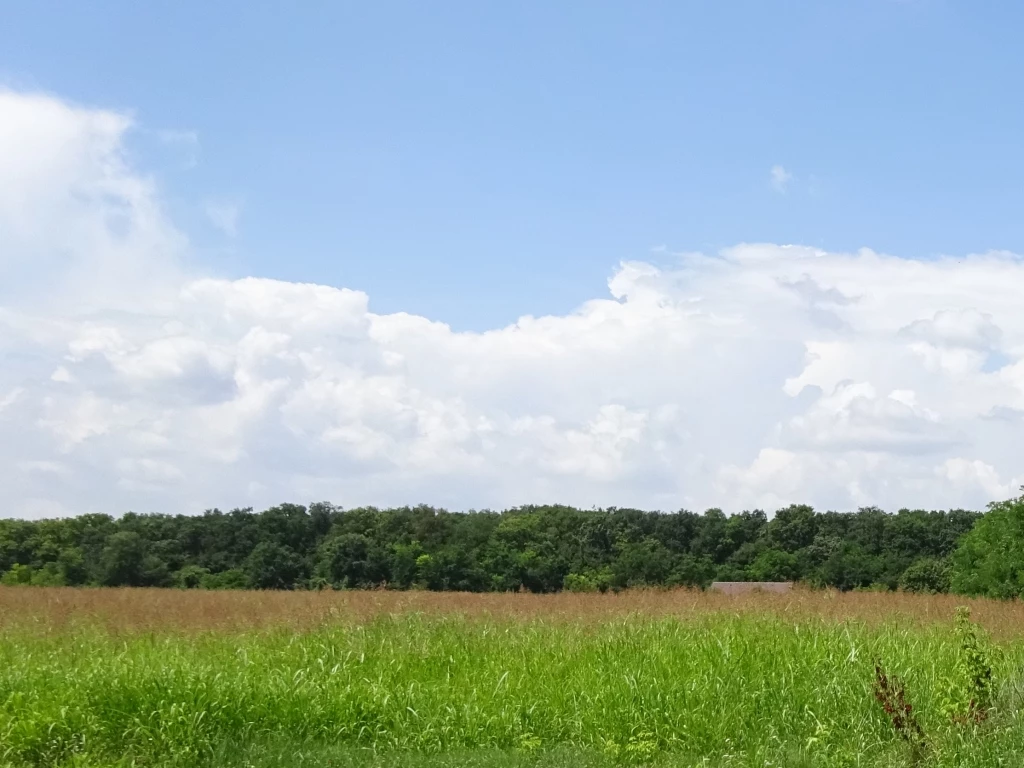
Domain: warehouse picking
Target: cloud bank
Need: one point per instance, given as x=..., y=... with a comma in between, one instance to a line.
x=754, y=377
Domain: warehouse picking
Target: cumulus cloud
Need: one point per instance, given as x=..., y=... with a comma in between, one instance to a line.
x=754, y=377
x=77, y=223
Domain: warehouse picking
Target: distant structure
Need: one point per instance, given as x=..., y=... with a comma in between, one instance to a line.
x=743, y=587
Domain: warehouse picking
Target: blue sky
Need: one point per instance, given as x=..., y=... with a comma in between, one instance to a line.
x=474, y=162
x=667, y=255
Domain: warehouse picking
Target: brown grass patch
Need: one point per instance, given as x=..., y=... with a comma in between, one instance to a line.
x=49, y=609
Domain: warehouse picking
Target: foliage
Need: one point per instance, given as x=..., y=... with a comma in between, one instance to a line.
x=17, y=575
x=232, y=578
x=773, y=565
x=125, y=561
x=929, y=575
x=534, y=548
x=990, y=559
x=273, y=566
x=579, y=582
x=969, y=689
x=890, y=693
x=191, y=576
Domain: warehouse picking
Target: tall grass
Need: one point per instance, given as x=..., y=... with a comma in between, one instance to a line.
x=170, y=610
x=716, y=688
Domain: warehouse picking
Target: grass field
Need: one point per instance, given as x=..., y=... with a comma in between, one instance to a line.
x=148, y=677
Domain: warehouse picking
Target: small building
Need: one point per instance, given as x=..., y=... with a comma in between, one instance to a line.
x=745, y=587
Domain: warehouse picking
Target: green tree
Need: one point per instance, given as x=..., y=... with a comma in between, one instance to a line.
x=713, y=539
x=645, y=563
x=792, y=528
x=530, y=547
x=990, y=559
x=404, y=564
x=72, y=566
x=848, y=568
x=273, y=566
x=692, y=571
x=774, y=565
x=126, y=562
x=351, y=560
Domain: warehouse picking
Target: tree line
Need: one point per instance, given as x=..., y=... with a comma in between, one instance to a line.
x=534, y=548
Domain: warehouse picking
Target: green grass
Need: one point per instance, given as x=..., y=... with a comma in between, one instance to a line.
x=431, y=692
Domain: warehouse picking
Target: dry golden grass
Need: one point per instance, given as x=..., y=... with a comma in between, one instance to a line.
x=50, y=609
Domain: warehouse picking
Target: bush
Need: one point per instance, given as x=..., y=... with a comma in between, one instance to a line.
x=49, y=575
x=18, y=575
x=578, y=582
x=590, y=581
x=928, y=574
x=233, y=578
x=191, y=577
x=691, y=571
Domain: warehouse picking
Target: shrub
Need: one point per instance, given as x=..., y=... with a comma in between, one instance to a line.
x=929, y=575
x=17, y=575
x=190, y=577
x=578, y=582
x=233, y=578
x=968, y=693
x=891, y=693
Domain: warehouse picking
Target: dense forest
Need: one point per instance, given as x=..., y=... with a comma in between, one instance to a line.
x=536, y=548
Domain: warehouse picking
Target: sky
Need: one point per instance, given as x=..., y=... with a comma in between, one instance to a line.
x=667, y=255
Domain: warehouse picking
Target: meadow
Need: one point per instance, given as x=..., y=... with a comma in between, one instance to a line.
x=139, y=677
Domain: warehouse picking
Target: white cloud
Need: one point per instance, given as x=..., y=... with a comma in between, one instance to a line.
x=77, y=222
x=854, y=417
x=60, y=374
x=780, y=178
x=224, y=215
x=975, y=475
x=9, y=398
x=146, y=474
x=52, y=467
x=757, y=376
